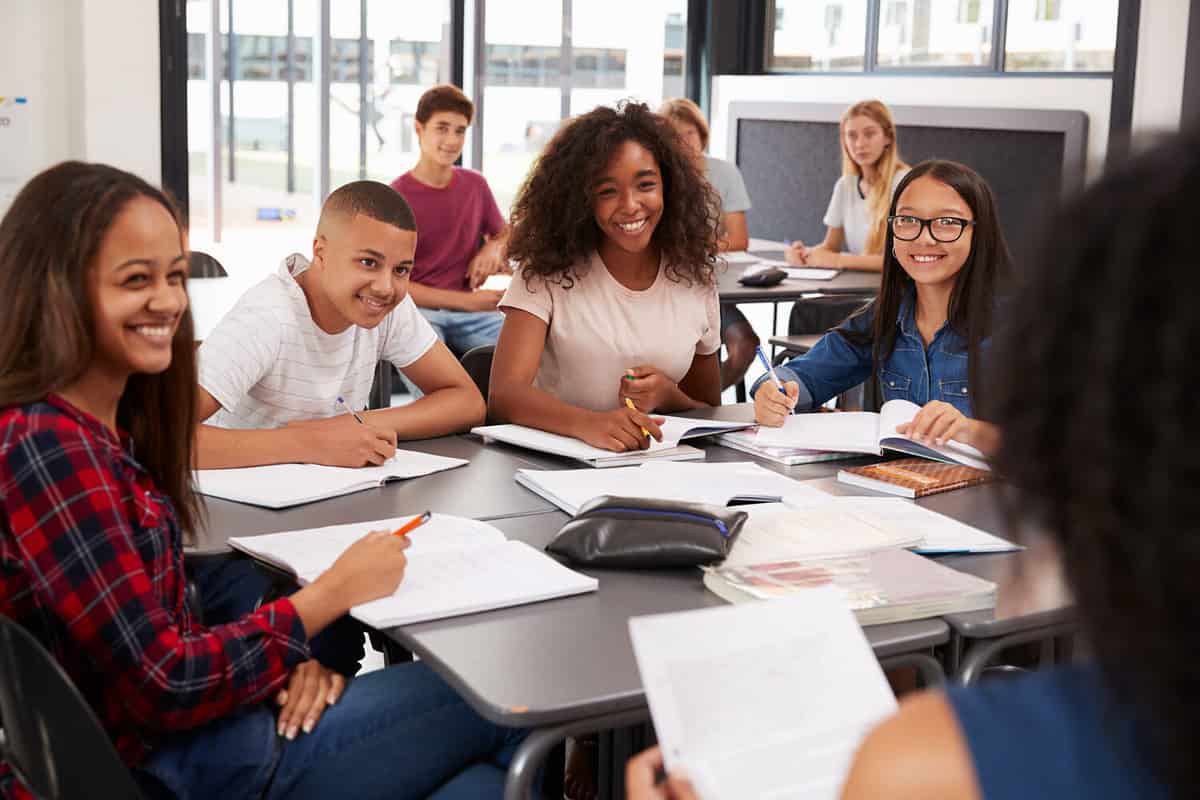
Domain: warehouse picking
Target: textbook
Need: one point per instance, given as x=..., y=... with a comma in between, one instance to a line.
x=713, y=483
x=883, y=586
x=283, y=485
x=773, y=706
x=674, y=430
x=913, y=477
x=455, y=566
x=865, y=432
x=747, y=442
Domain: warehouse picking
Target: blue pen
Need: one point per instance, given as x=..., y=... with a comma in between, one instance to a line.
x=342, y=404
x=763, y=358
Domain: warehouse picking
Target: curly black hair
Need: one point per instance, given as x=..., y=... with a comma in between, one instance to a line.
x=553, y=226
x=1094, y=389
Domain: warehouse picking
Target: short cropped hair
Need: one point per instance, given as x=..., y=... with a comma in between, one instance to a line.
x=444, y=97
x=373, y=199
x=683, y=110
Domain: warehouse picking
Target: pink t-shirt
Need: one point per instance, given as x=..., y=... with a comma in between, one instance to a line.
x=451, y=223
x=599, y=328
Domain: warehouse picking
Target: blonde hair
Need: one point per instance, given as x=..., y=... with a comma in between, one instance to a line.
x=879, y=199
x=683, y=110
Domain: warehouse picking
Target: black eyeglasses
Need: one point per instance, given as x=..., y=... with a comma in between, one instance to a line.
x=942, y=229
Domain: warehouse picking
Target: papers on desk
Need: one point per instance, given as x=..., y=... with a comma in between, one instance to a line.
x=283, y=485
x=455, y=566
x=754, y=712
x=713, y=483
x=795, y=273
x=674, y=430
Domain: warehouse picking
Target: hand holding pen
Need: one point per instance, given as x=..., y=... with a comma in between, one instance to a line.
x=773, y=408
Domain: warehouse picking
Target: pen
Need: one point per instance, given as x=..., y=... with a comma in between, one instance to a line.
x=632, y=407
x=412, y=524
x=353, y=413
x=775, y=378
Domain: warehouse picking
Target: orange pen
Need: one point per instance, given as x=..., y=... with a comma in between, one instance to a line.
x=412, y=524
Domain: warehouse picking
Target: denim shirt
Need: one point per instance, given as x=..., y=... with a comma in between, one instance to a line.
x=911, y=372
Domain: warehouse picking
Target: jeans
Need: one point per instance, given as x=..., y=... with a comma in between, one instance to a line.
x=231, y=586
x=399, y=732
x=460, y=330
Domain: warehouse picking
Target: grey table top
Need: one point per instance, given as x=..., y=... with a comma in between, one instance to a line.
x=847, y=281
x=482, y=489
x=571, y=658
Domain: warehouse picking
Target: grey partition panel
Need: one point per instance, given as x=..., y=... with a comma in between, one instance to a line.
x=790, y=156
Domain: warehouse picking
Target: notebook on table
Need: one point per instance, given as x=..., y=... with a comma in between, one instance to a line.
x=750, y=712
x=793, y=272
x=674, y=430
x=455, y=566
x=283, y=485
x=865, y=432
x=883, y=586
x=747, y=442
x=913, y=477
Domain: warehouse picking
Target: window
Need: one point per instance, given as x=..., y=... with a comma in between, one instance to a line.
x=1061, y=35
x=933, y=33
x=818, y=35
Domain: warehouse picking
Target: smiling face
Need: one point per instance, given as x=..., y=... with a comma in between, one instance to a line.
x=864, y=140
x=627, y=198
x=138, y=292
x=362, y=265
x=926, y=260
x=442, y=137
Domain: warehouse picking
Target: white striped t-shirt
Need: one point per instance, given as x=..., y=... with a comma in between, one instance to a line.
x=267, y=363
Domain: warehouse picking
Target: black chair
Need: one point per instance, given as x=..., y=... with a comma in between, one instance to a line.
x=202, y=265
x=478, y=363
x=52, y=740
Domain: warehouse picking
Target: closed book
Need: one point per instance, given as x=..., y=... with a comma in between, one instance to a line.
x=883, y=586
x=913, y=477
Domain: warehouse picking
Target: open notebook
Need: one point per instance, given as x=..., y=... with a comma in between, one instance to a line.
x=713, y=483
x=283, y=485
x=865, y=432
x=455, y=566
x=773, y=706
x=674, y=430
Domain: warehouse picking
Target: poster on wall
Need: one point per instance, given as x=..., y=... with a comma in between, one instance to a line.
x=16, y=147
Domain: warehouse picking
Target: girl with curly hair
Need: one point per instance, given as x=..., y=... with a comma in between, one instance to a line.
x=614, y=235
x=924, y=336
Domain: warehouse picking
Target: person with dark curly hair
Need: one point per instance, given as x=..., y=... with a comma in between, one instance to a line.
x=923, y=337
x=614, y=236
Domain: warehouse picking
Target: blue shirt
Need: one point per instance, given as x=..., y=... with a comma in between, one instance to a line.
x=910, y=372
x=1052, y=735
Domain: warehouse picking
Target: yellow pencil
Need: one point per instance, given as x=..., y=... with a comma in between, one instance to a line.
x=629, y=403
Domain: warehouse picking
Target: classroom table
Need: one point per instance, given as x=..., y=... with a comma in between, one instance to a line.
x=482, y=489
x=848, y=281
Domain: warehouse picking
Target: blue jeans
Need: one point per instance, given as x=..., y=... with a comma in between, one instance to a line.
x=398, y=732
x=230, y=587
x=460, y=330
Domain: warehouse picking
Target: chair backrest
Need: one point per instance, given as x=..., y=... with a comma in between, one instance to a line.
x=478, y=363
x=202, y=265
x=52, y=739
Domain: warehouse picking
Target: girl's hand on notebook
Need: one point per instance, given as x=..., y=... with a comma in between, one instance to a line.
x=647, y=387
x=311, y=687
x=772, y=407
x=796, y=253
x=936, y=423
x=620, y=430
x=642, y=774
x=343, y=441
x=821, y=257
x=370, y=568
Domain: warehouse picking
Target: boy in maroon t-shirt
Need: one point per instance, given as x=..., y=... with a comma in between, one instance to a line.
x=460, y=233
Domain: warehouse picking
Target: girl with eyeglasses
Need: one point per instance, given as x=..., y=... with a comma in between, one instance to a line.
x=923, y=336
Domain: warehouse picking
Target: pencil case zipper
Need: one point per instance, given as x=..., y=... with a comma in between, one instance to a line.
x=720, y=526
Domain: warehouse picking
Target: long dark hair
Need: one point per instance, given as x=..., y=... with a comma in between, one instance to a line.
x=553, y=227
x=1095, y=391
x=49, y=240
x=987, y=270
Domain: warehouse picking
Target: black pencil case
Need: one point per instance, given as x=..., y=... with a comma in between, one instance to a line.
x=637, y=532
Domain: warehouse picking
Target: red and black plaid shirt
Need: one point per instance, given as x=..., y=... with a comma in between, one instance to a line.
x=91, y=562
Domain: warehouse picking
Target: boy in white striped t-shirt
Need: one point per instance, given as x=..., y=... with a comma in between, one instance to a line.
x=273, y=369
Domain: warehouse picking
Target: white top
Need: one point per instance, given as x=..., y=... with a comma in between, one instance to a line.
x=267, y=363
x=599, y=328
x=848, y=211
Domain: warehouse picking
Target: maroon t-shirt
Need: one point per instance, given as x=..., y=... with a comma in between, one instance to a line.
x=451, y=223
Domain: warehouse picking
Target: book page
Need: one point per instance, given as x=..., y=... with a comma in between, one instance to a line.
x=821, y=529
x=938, y=533
x=738, y=712
x=897, y=412
x=678, y=428
x=844, y=431
x=555, y=444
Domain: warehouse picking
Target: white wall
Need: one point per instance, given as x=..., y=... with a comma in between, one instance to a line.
x=1162, y=50
x=90, y=71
